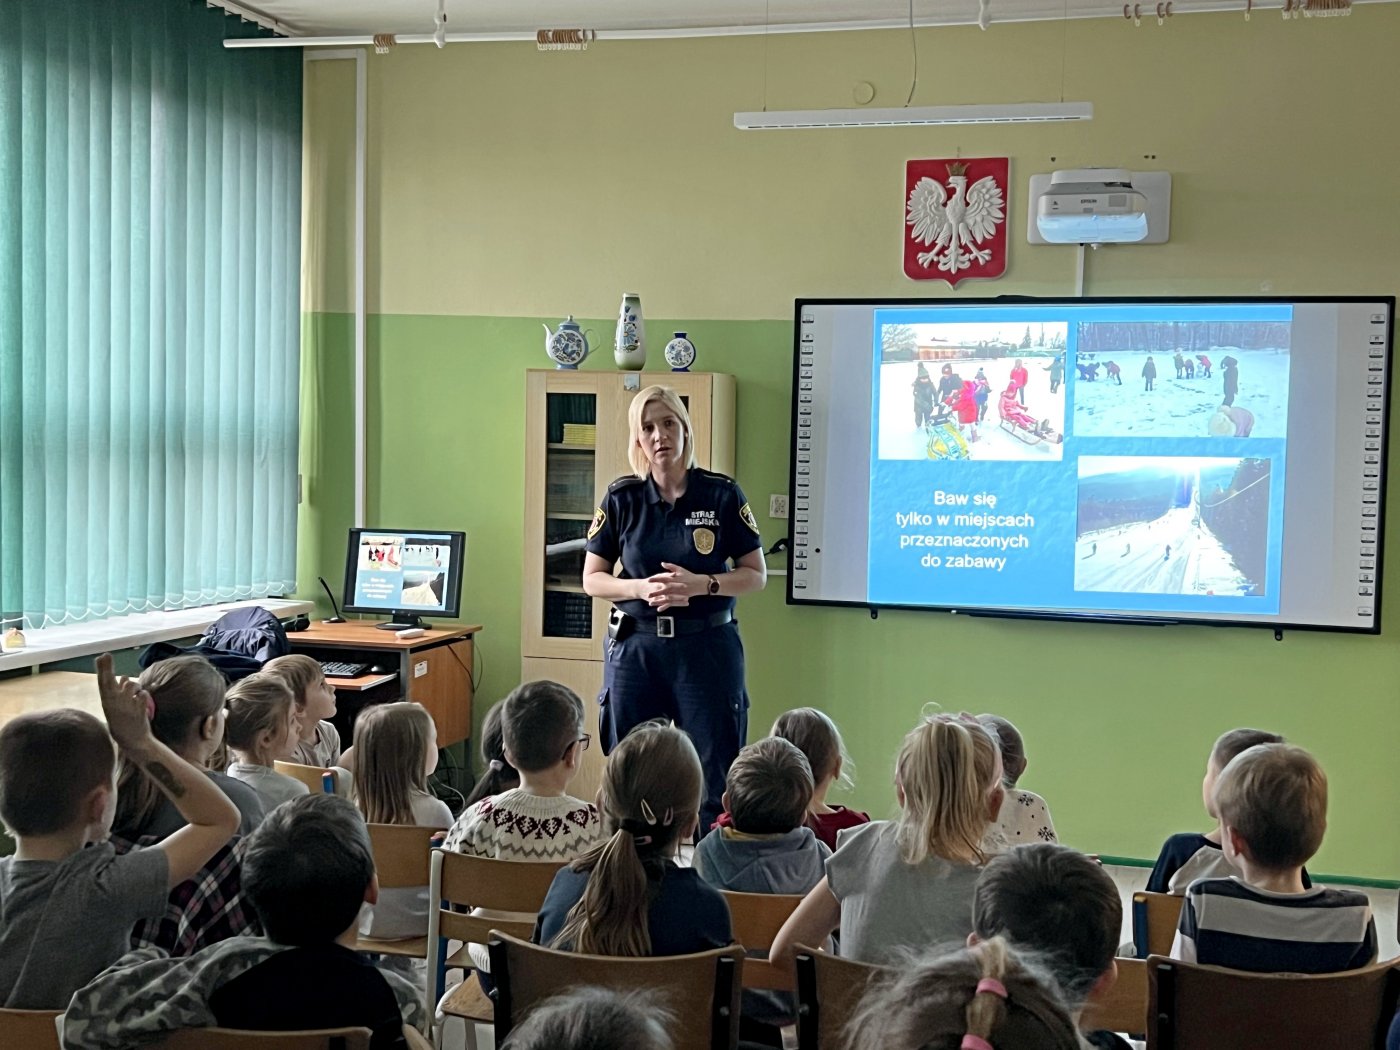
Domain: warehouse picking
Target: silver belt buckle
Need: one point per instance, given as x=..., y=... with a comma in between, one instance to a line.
x=665, y=627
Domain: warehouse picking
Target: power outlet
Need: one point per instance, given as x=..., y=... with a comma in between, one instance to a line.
x=777, y=506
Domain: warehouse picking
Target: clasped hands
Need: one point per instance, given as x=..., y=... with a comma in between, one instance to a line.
x=673, y=588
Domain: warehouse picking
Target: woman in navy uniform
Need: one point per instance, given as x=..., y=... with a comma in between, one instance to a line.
x=673, y=648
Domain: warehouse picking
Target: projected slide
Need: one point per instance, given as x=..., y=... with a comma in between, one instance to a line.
x=1122, y=458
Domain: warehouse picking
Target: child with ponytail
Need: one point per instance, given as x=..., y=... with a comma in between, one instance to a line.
x=395, y=750
x=497, y=774
x=188, y=693
x=262, y=728
x=909, y=883
x=628, y=897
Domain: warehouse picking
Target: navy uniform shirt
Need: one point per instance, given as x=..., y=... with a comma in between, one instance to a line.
x=708, y=526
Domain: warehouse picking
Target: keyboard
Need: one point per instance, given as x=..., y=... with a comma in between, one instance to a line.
x=342, y=669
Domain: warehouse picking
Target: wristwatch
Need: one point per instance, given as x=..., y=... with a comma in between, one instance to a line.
x=714, y=585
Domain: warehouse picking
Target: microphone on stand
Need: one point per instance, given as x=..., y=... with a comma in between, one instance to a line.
x=337, y=618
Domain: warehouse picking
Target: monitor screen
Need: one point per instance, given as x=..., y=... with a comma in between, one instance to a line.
x=404, y=573
x=1204, y=460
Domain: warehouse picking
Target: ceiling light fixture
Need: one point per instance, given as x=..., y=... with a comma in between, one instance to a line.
x=915, y=116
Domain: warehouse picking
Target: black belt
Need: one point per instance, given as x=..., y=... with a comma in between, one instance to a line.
x=621, y=624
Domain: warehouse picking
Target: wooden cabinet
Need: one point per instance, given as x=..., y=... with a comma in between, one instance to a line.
x=575, y=447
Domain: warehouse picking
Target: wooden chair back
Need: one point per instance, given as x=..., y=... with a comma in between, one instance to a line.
x=702, y=989
x=829, y=989
x=311, y=776
x=31, y=1029
x=237, y=1039
x=1124, y=1008
x=756, y=919
x=1155, y=916
x=458, y=881
x=1210, y=1008
x=403, y=854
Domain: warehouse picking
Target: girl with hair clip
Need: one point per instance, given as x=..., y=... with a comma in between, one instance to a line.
x=396, y=749
x=981, y=998
x=628, y=897
x=188, y=693
x=262, y=728
x=497, y=774
x=908, y=883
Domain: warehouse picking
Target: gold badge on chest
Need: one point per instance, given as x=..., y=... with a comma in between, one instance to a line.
x=704, y=540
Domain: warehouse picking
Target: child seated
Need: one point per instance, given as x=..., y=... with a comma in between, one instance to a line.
x=307, y=869
x=497, y=774
x=767, y=849
x=817, y=737
x=980, y=998
x=542, y=725
x=1189, y=855
x=627, y=896
x=1024, y=816
x=66, y=911
x=1057, y=903
x=901, y=884
x=318, y=741
x=588, y=1018
x=1272, y=801
x=262, y=728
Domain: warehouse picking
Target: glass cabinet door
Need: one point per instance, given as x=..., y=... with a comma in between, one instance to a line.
x=571, y=423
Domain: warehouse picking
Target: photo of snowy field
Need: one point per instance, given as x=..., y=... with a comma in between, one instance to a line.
x=1173, y=525
x=1195, y=379
x=902, y=434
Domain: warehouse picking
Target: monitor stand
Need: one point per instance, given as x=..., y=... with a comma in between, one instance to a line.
x=402, y=621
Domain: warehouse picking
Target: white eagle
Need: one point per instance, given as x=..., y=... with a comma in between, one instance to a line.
x=955, y=226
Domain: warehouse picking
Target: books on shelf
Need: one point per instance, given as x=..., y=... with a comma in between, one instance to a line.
x=581, y=434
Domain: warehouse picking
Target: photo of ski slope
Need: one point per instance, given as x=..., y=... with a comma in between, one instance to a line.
x=1173, y=525
x=986, y=391
x=1182, y=379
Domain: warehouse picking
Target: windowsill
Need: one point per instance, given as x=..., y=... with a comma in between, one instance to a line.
x=130, y=632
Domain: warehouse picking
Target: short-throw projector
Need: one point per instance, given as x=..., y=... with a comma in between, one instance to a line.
x=1099, y=206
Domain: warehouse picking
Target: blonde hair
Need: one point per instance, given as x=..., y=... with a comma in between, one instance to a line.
x=1275, y=796
x=668, y=397
x=186, y=690
x=651, y=791
x=817, y=737
x=298, y=671
x=391, y=750
x=257, y=704
x=938, y=1000
x=946, y=767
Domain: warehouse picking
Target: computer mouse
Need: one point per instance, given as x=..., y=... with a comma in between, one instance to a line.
x=378, y=669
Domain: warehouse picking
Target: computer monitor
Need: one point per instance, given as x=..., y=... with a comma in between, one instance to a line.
x=404, y=573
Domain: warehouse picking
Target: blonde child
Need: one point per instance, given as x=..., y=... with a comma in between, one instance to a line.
x=987, y=996
x=909, y=883
x=188, y=697
x=319, y=741
x=817, y=737
x=627, y=896
x=396, y=746
x=497, y=774
x=1024, y=816
x=69, y=901
x=262, y=728
x=542, y=728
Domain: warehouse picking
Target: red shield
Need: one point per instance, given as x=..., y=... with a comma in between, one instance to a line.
x=955, y=218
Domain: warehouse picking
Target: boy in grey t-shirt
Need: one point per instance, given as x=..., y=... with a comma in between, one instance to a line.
x=67, y=901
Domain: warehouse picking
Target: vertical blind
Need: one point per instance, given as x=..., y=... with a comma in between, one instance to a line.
x=150, y=189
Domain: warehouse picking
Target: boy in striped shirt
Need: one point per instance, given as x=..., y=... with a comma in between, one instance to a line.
x=1272, y=801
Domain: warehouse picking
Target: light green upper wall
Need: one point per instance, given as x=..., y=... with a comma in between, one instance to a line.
x=507, y=186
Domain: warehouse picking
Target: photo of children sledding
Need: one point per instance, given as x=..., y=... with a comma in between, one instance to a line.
x=1182, y=379
x=972, y=391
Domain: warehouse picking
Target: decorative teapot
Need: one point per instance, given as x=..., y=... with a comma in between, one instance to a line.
x=568, y=345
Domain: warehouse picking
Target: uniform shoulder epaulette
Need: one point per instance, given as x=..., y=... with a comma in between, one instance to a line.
x=624, y=481
x=714, y=475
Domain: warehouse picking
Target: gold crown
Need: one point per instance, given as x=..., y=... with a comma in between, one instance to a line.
x=957, y=168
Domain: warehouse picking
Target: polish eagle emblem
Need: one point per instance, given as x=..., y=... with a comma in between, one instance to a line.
x=958, y=224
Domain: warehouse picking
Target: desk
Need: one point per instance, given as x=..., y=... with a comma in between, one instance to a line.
x=44, y=692
x=433, y=669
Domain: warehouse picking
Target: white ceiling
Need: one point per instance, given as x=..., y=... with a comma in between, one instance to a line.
x=521, y=18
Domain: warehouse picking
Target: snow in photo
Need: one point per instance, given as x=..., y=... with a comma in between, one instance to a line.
x=1173, y=525
x=977, y=391
x=1182, y=379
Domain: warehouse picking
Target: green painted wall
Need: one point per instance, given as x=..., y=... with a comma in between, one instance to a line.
x=508, y=187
